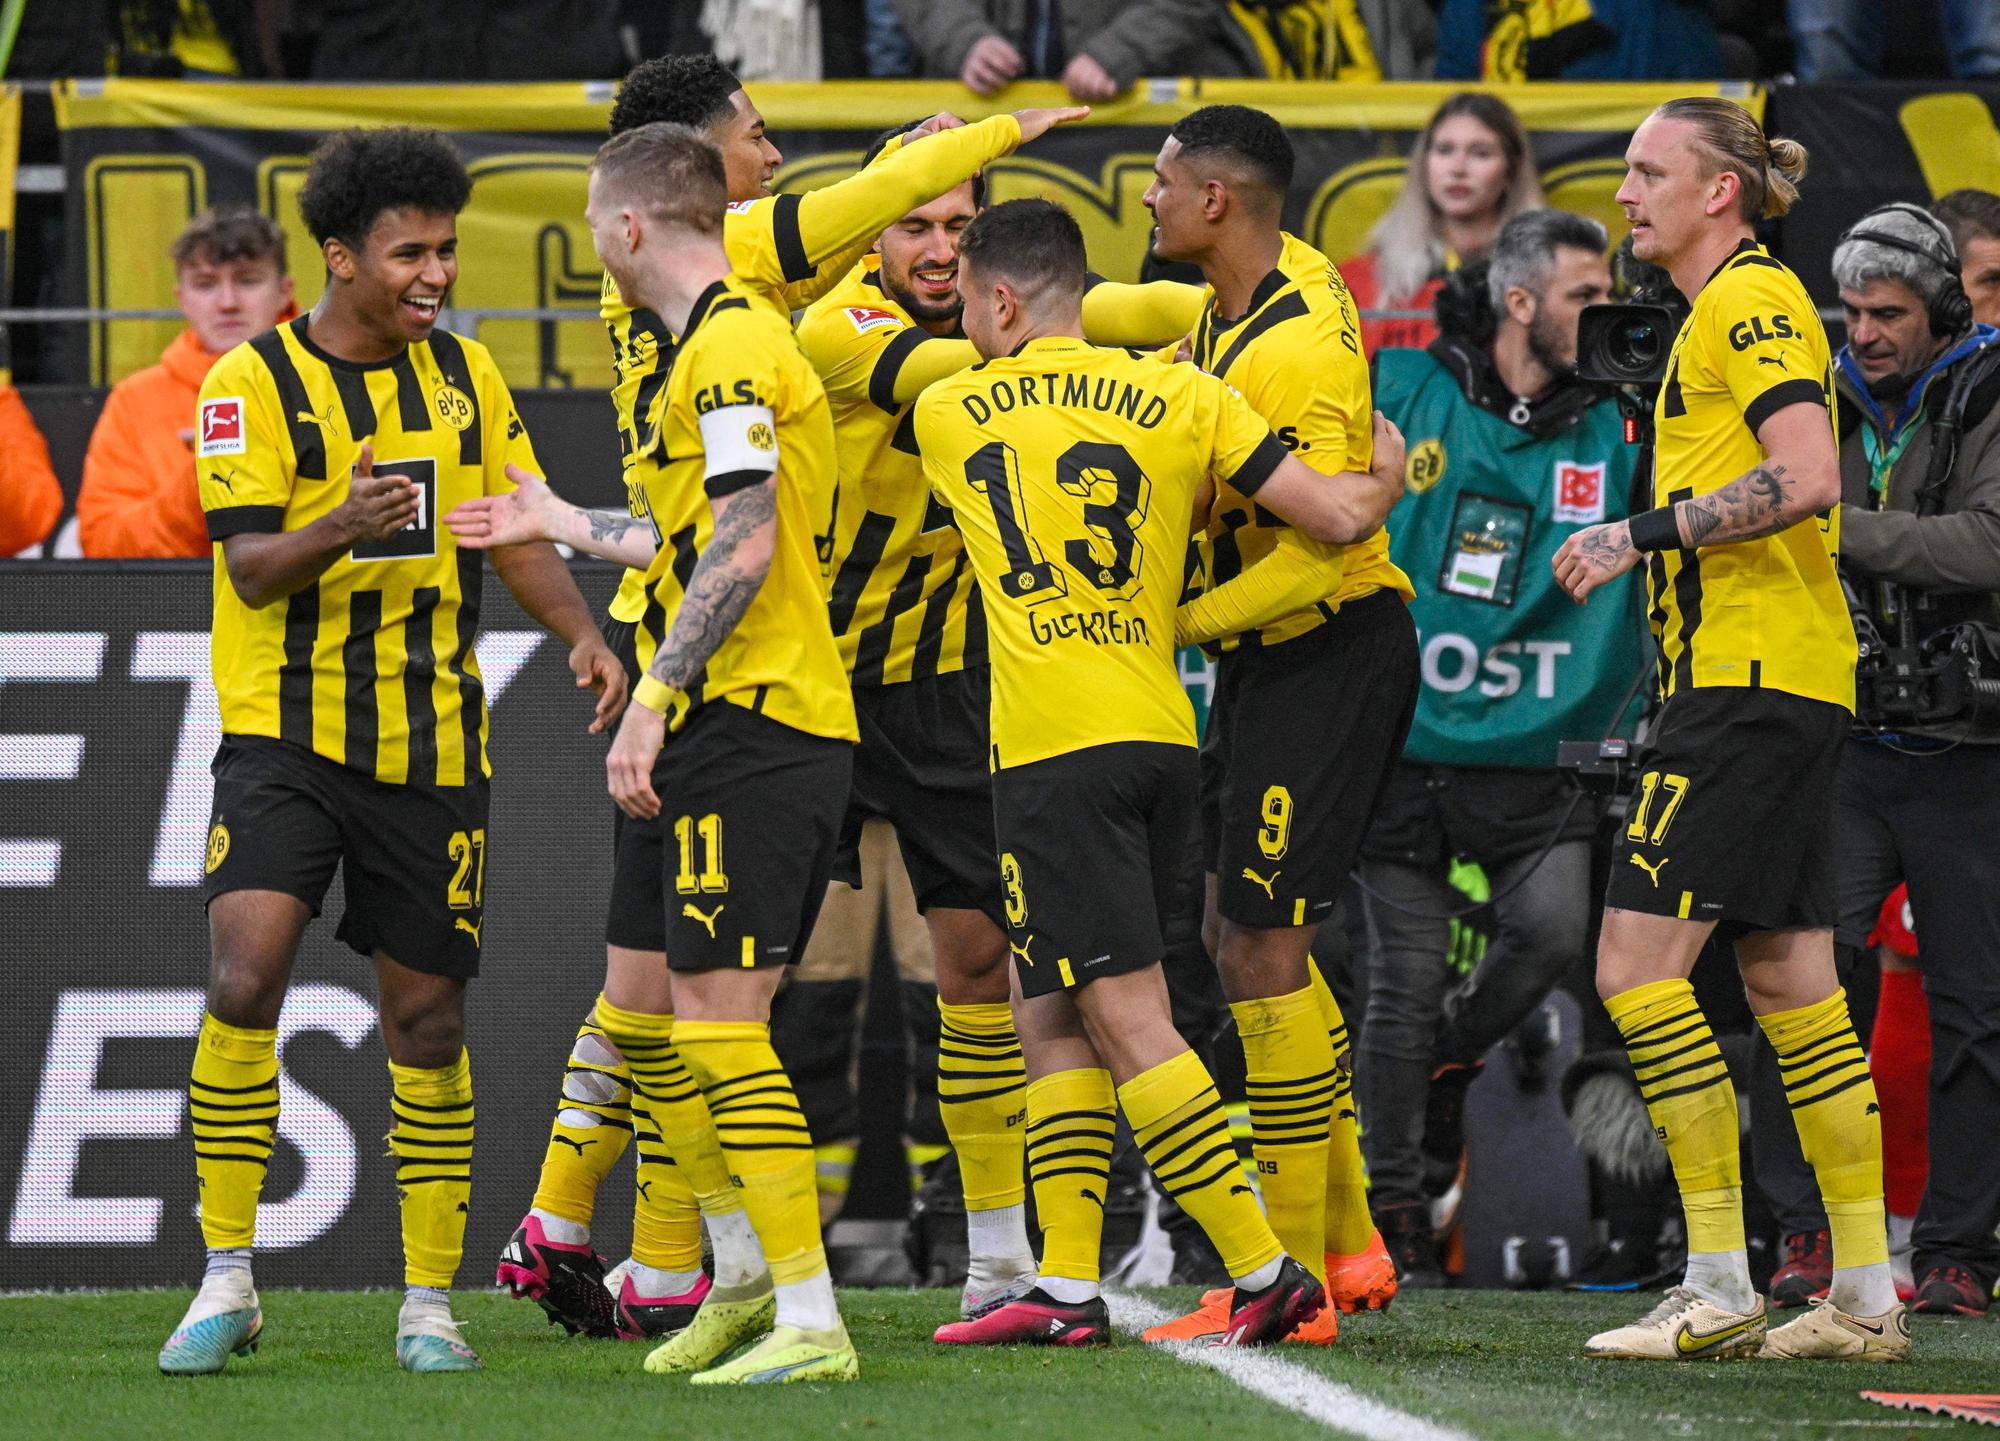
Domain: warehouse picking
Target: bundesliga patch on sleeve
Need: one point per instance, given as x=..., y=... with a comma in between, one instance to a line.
x=222, y=426
x=867, y=318
x=1579, y=493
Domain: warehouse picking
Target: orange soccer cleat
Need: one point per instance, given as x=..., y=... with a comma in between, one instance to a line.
x=1365, y=1281
x=1211, y=1318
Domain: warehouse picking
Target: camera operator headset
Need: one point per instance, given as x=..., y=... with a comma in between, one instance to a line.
x=1929, y=651
x=1918, y=783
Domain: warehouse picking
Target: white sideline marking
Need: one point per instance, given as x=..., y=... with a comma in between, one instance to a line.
x=1288, y=1384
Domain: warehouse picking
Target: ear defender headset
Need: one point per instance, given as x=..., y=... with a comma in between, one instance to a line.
x=1951, y=312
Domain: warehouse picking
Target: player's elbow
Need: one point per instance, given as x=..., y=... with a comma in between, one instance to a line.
x=1820, y=489
x=1338, y=523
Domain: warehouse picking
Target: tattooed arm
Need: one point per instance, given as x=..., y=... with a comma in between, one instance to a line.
x=1799, y=477
x=726, y=579
x=531, y=511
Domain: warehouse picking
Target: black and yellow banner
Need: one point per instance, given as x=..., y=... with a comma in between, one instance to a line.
x=10, y=159
x=1867, y=145
x=142, y=156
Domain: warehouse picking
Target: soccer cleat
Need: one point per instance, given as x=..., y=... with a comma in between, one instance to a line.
x=224, y=1320
x=1035, y=1319
x=1204, y=1323
x=1321, y=1330
x=1827, y=1333
x=1406, y=1235
x=1365, y=1281
x=566, y=1281
x=1807, y=1272
x=1952, y=1291
x=1683, y=1327
x=975, y=1301
x=788, y=1354
x=427, y=1340
x=720, y=1324
x=648, y=1318
x=1259, y=1317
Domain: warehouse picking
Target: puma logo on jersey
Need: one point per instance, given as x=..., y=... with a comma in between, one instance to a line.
x=1652, y=871
x=690, y=912
x=1021, y=950
x=1250, y=875
x=1777, y=360
x=460, y=923
x=576, y=1146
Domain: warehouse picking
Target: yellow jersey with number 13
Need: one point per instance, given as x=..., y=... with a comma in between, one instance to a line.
x=1072, y=471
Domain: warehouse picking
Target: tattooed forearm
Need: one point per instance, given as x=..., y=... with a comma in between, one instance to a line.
x=609, y=525
x=1750, y=507
x=1605, y=545
x=724, y=582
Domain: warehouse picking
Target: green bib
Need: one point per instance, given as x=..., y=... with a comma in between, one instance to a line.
x=1511, y=664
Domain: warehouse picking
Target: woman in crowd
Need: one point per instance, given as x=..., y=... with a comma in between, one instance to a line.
x=1470, y=172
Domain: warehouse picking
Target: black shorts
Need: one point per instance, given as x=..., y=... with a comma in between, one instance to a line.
x=1733, y=820
x=413, y=857
x=1302, y=737
x=1091, y=844
x=732, y=871
x=922, y=766
x=1490, y=815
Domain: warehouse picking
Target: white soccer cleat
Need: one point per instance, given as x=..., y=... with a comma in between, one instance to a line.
x=1683, y=1327
x=224, y=1320
x=1827, y=1333
x=427, y=1339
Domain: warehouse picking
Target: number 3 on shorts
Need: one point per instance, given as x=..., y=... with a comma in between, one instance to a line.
x=1010, y=882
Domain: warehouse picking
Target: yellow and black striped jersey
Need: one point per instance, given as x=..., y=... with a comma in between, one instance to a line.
x=1295, y=354
x=788, y=250
x=1071, y=471
x=1756, y=612
x=742, y=403
x=372, y=665
x=904, y=604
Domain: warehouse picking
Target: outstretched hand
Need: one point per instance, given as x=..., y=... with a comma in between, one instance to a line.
x=1037, y=123
x=520, y=516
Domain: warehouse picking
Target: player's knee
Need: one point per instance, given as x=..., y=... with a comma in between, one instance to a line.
x=247, y=991
x=425, y=1030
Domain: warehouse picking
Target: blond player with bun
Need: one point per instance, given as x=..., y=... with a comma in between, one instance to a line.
x=1731, y=830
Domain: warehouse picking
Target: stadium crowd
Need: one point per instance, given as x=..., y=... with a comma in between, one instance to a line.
x=1398, y=562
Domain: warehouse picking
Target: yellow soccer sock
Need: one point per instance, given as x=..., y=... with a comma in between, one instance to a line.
x=233, y=1105
x=592, y=1128
x=1290, y=1081
x=431, y=1139
x=1176, y=1117
x=1833, y=1104
x=764, y=1139
x=1688, y=1094
x=982, y=1094
x=1349, y=1227
x=679, y=1161
x=1072, y=1118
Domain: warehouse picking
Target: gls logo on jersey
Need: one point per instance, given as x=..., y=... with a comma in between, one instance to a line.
x=1579, y=493
x=1746, y=333
x=711, y=397
x=222, y=426
x=866, y=318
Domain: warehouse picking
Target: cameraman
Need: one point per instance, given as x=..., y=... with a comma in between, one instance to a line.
x=1509, y=454
x=1919, y=405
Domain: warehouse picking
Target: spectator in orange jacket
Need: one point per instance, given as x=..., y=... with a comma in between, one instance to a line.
x=138, y=496
x=31, y=499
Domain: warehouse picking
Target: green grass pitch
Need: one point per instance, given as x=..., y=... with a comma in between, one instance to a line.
x=1495, y=1366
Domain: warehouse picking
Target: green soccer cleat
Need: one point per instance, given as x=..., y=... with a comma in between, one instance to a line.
x=729, y=1316
x=223, y=1321
x=788, y=1354
x=427, y=1340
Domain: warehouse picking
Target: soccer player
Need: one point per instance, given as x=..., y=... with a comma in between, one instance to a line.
x=733, y=764
x=353, y=721
x=1733, y=824
x=1306, y=629
x=1072, y=473
x=786, y=250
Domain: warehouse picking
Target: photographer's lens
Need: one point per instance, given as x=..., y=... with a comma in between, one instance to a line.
x=1635, y=348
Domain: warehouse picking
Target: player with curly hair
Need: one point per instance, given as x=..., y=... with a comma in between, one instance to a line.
x=353, y=716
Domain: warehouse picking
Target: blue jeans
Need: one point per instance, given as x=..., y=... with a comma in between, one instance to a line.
x=1846, y=39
